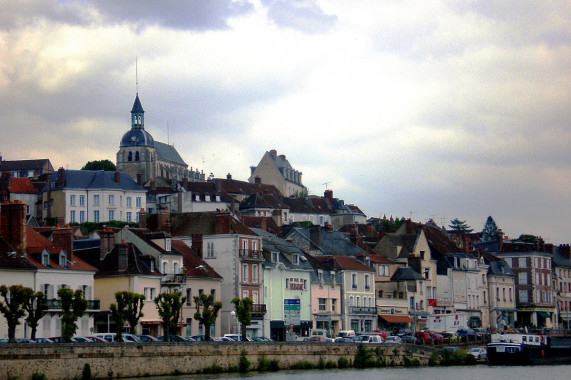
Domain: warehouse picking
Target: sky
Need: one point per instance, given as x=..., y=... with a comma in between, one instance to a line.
x=410, y=108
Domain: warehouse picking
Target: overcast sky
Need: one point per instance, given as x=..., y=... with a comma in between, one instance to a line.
x=429, y=109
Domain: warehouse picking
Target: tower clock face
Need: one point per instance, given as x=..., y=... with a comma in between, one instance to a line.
x=133, y=138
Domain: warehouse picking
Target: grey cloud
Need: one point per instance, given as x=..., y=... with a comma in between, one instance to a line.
x=304, y=15
x=174, y=14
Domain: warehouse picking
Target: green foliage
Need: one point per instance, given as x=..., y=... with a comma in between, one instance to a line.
x=362, y=357
x=527, y=238
x=35, y=306
x=209, y=311
x=265, y=365
x=215, y=368
x=244, y=363
x=343, y=362
x=73, y=306
x=129, y=307
x=434, y=359
x=243, y=313
x=407, y=362
x=100, y=165
x=490, y=231
x=459, y=357
x=176, y=372
x=304, y=224
x=169, y=306
x=39, y=376
x=303, y=365
x=86, y=374
x=459, y=226
x=15, y=298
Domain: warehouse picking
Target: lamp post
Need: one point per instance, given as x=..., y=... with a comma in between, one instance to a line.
x=232, y=322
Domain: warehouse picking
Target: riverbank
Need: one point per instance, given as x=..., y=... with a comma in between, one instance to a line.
x=116, y=360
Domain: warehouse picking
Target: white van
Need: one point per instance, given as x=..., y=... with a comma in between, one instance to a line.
x=369, y=339
x=112, y=337
x=346, y=334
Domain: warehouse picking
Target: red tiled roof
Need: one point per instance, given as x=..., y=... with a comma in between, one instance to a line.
x=195, y=266
x=380, y=259
x=22, y=186
x=346, y=262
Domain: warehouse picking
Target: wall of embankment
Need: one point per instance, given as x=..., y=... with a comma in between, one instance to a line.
x=113, y=360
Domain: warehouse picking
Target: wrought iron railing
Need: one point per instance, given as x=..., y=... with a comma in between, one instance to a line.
x=56, y=304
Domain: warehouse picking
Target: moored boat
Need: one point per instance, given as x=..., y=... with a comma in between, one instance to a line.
x=528, y=349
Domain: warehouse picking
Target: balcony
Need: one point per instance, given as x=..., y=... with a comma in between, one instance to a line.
x=258, y=310
x=173, y=279
x=369, y=310
x=250, y=254
x=56, y=304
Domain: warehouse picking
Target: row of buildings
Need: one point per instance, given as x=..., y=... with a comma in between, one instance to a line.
x=307, y=261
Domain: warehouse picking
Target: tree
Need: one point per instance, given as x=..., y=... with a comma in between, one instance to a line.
x=243, y=313
x=73, y=306
x=527, y=238
x=35, y=306
x=490, y=231
x=169, y=306
x=209, y=312
x=12, y=307
x=100, y=165
x=459, y=226
x=134, y=310
x=118, y=314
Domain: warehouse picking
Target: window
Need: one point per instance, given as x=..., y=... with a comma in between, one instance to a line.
x=255, y=273
x=510, y=294
x=245, y=273
x=523, y=296
x=138, y=202
x=72, y=216
x=484, y=279
x=96, y=200
x=367, y=286
x=62, y=259
x=354, y=281
x=210, y=249
x=128, y=202
x=72, y=200
x=333, y=305
x=188, y=297
x=320, y=275
x=129, y=217
x=82, y=200
x=45, y=259
x=508, y=261
x=165, y=267
x=96, y=216
x=275, y=257
x=149, y=293
x=296, y=259
x=168, y=244
x=81, y=216
x=111, y=214
x=322, y=302
x=175, y=268
x=522, y=278
x=427, y=273
x=537, y=279
x=484, y=297
x=522, y=262
x=504, y=294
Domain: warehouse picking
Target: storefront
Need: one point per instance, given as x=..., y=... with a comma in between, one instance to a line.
x=392, y=322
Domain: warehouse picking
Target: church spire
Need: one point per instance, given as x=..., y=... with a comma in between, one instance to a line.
x=137, y=115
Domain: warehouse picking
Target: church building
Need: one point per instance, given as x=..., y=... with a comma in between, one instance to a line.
x=154, y=160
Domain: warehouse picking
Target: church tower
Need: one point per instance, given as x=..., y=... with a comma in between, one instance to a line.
x=137, y=152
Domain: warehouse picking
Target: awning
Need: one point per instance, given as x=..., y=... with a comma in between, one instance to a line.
x=544, y=314
x=396, y=318
x=150, y=322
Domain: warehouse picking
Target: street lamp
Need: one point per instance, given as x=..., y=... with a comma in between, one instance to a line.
x=233, y=321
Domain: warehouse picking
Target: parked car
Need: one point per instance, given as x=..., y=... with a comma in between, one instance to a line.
x=237, y=337
x=481, y=333
x=393, y=339
x=402, y=332
x=225, y=339
x=423, y=337
x=450, y=337
x=466, y=335
x=147, y=338
x=380, y=333
x=344, y=339
x=477, y=352
x=42, y=340
x=201, y=338
x=24, y=340
x=436, y=338
x=95, y=339
x=319, y=339
x=408, y=338
x=80, y=339
x=369, y=339
x=59, y=339
x=112, y=337
x=346, y=334
x=175, y=338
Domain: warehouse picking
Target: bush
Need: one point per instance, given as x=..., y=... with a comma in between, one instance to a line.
x=303, y=365
x=86, y=374
x=38, y=376
x=362, y=357
x=267, y=365
x=434, y=359
x=244, y=363
x=343, y=362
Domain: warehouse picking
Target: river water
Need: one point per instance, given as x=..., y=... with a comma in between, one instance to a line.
x=477, y=372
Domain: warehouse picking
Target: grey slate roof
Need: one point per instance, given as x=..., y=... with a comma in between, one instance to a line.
x=168, y=153
x=137, y=107
x=333, y=243
x=500, y=268
x=95, y=179
x=560, y=259
x=406, y=274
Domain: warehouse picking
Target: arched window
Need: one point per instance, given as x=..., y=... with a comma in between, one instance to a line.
x=136, y=156
x=130, y=157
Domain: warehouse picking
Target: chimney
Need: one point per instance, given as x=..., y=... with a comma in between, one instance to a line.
x=117, y=177
x=197, y=244
x=122, y=256
x=163, y=223
x=139, y=179
x=565, y=251
x=369, y=229
x=106, y=242
x=277, y=216
x=500, y=239
x=408, y=227
x=13, y=224
x=258, y=180
x=274, y=153
x=548, y=248
x=61, y=177
x=381, y=234
x=282, y=156
x=49, y=196
x=222, y=223
x=466, y=243
x=264, y=224
x=228, y=176
x=5, y=182
x=142, y=218
x=153, y=185
x=328, y=194
x=315, y=235
x=63, y=237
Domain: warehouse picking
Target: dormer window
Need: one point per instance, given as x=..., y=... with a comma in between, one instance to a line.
x=296, y=259
x=320, y=275
x=62, y=259
x=168, y=244
x=45, y=259
x=275, y=257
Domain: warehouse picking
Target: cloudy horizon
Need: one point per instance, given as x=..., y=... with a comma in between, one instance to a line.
x=422, y=109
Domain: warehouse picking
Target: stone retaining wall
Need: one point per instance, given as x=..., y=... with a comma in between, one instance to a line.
x=66, y=361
